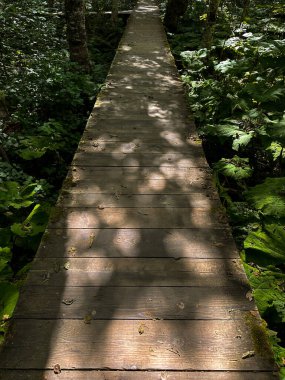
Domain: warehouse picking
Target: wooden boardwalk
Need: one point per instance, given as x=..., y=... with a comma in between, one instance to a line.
x=137, y=276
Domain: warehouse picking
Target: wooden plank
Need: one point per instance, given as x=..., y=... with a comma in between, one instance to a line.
x=134, y=180
x=146, y=84
x=138, y=200
x=134, y=375
x=130, y=187
x=118, y=177
x=143, y=217
x=91, y=146
x=162, y=131
x=142, y=127
x=148, y=303
x=120, y=111
x=133, y=345
x=191, y=159
x=188, y=243
x=130, y=102
x=151, y=91
x=129, y=173
x=139, y=144
x=130, y=66
x=111, y=131
x=137, y=272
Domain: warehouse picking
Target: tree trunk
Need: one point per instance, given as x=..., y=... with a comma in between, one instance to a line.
x=174, y=10
x=245, y=9
x=76, y=33
x=115, y=10
x=207, y=38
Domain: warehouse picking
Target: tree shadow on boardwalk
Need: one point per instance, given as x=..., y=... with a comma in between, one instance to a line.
x=138, y=270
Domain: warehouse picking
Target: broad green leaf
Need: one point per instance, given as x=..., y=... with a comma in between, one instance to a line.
x=242, y=139
x=34, y=224
x=276, y=149
x=268, y=242
x=236, y=167
x=276, y=130
x=268, y=197
x=13, y=195
x=231, y=130
x=31, y=153
x=8, y=299
x=232, y=66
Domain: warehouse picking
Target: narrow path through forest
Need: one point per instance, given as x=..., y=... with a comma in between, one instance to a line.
x=137, y=276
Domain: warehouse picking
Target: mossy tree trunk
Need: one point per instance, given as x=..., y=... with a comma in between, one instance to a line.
x=174, y=10
x=207, y=38
x=76, y=33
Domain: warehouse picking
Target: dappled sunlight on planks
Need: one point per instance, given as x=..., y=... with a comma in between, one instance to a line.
x=137, y=270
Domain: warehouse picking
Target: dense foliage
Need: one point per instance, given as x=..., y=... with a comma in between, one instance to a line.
x=236, y=92
x=44, y=103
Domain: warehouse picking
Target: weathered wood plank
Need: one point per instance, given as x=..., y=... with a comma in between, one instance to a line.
x=133, y=303
x=134, y=146
x=143, y=217
x=193, y=158
x=143, y=187
x=112, y=132
x=135, y=375
x=147, y=107
x=129, y=173
x=191, y=243
x=144, y=345
x=134, y=180
x=137, y=272
x=147, y=130
x=138, y=200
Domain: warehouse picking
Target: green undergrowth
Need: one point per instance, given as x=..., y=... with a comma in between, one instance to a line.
x=44, y=104
x=236, y=92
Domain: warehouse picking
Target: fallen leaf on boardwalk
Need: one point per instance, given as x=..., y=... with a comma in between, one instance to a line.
x=91, y=240
x=181, y=305
x=66, y=266
x=142, y=213
x=141, y=329
x=100, y=207
x=68, y=301
x=249, y=295
x=72, y=251
x=218, y=245
x=56, y=369
x=87, y=319
x=248, y=354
